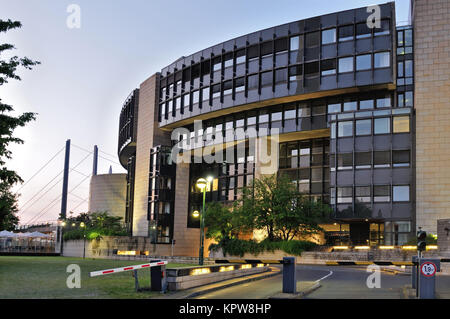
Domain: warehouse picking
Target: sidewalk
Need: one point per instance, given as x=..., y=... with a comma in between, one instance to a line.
x=197, y=291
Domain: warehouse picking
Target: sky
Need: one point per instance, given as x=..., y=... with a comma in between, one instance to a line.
x=87, y=73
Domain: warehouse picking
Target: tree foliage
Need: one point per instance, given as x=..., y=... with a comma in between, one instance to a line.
x=8, y=123
x=272, y=204
x=96, y=224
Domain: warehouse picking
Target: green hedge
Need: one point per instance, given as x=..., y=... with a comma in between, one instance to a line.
x=238, y=247
x=75, y=234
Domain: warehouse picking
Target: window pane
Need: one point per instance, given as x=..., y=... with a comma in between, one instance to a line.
x=363, y=31
x=362, y=194
x=363, y=127
x=400, y=193
x=345, y=128
x=266, y=79
x=384, y=102
x=382, y=60
x=346, y=33
x=400, y=158
x=382, y=126
x=344, y=194
x=350, y=106
x=345, y=161
x=363, y=159
x=334, y=108
x=328, y=36
x=294, y=43
x=364, y=62
x=333, y=130
x=401, y=124
x=365, y=104
x=381, y=193
x=345, y=64
x=382, y=159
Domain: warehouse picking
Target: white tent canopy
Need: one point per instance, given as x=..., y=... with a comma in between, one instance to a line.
x=7, y=234
x=38, y=234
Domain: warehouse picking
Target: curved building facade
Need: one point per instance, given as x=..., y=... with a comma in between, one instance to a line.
x=333, y=96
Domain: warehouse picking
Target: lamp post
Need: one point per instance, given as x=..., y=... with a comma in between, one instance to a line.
x=82, y=225
x=202, y=185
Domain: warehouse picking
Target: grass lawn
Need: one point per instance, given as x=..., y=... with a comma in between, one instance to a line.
x=45, y=277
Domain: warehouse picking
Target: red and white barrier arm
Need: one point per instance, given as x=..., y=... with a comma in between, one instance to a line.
x=126, y=268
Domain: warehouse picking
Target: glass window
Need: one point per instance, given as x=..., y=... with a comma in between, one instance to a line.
x=217, y=64
x=345, y=128
x=381, y=193
x=409, y=98
x=408, y=68
x=289, y=114
x=329, y=36
x=252, y=82
x=205, y=94
x=363, y=160
x=216, y=91
x=400, y=38
x=263, y=117
x=227, y=87
x=294, y=43
x=364, y=62
x=382, y=60
x=186, y=100
x=400, y=193
x=400, y=158
x=266, y=79
x=334, y=108
x=319, y=110
x=384, y=102
x=345, y=161
x=382, y=125
x=362, y=194
x=344, y=194
x=363, y=31
x=312, y=39
x=239, y=85
x=408, y=37
x=240, y=59
x=281, y=75
x=195, y=95
x=384, y=28
x=346, y=33
x=350, y=106
x=345, y=65
x=304, y=110
x=400, y=124
x=382, y=159
x=366, y=104
x=328, y=67
x=277, y=116
x=363, y=127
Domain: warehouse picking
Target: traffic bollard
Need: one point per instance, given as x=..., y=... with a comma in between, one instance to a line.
x=428, y=267
x=289, y=275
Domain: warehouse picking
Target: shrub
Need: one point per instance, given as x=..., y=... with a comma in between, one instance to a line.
x=239, y=247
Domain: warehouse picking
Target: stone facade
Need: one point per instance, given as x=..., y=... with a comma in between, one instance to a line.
x=443, y=232
x=107, y=193
x=432, y=96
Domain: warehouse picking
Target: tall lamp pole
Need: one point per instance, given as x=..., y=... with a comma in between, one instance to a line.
x=202, y=185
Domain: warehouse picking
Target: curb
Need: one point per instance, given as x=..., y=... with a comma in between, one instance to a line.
x=299, y=295
x=270, y=273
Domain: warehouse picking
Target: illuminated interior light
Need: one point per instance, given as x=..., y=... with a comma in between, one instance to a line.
x=200, y=271
x=126, y=252
x=432, y=247
x=409, y=247
x=247, y=266
x=226, y=268
x=340, y=247
x=386, y=247
x=362, y=247
x=260, y=265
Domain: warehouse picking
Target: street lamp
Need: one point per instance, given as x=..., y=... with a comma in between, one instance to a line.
x=202, y=185
x=82, y=225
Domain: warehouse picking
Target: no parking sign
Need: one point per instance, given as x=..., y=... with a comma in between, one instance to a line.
x=428, y=269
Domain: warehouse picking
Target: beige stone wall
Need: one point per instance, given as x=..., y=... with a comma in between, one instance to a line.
x=107, y=193
x=432, y=104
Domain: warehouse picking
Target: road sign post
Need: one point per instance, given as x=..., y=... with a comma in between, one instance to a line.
x=428, y=267
x=289, y=275
x=414, y=273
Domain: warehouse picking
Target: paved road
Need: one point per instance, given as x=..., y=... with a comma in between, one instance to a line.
x=337, y=283
x=266, y=287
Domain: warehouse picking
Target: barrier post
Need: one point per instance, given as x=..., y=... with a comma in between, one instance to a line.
x=158, y=278
x=289, y=275
x=428, y=267
x=136, y=280
x=414, y=273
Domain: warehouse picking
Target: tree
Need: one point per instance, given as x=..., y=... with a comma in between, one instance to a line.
x=274, y=204
x=8, y=123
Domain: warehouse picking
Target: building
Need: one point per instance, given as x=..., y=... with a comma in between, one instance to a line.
x=107, y=193
x=352, y=106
